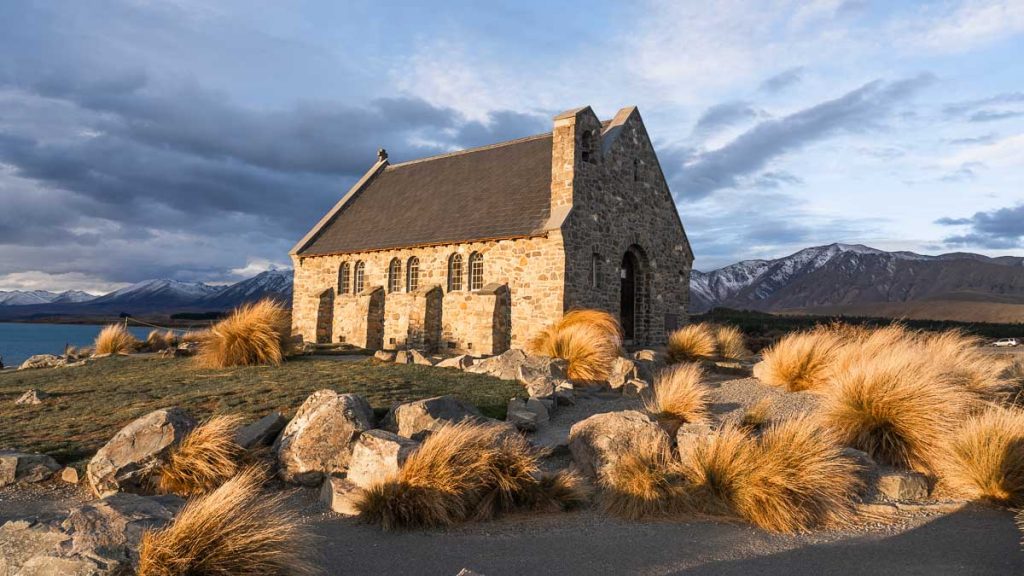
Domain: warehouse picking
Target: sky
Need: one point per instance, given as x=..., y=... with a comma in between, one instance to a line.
x=199, y=140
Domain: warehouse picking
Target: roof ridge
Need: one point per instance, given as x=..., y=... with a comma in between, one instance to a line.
x=470, y=150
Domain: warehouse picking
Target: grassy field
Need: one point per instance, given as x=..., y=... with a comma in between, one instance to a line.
x=90, y=403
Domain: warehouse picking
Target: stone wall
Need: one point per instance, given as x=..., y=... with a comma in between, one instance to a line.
x=359, y=318
x=478, y=323
x=413, y=319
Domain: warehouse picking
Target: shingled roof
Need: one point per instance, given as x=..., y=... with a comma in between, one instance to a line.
x=497, y=191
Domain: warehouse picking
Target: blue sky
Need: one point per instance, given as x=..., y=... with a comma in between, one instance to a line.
x=198, y=140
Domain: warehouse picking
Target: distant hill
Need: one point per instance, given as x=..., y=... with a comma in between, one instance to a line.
x=152, y=296
x=28, y=297
x=863, y=281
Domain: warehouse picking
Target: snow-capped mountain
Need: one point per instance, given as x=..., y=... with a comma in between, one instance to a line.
x=272, y=283
x=169, y=292
x=29, y=297
x=844, y=275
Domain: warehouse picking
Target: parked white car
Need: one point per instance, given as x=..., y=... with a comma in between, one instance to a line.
x=1007, y=342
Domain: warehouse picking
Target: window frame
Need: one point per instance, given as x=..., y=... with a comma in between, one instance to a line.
x=476, y=281
x=412, y=274
x=455, y=270
x=343, y=278
x=359, y=277
x=394, y=276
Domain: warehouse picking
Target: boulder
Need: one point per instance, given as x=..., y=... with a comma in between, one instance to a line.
x=23, y=540
x=318, y=440
x=419, y=358
x=461, y=362
x=527, y=415
x=565, y=394
x=340, y=495
x=42, y=361
x=16, y=467
x=126, y=461
x=635, y=387
x=645, y=355
x=687, y=435
x=902, y=485
x=385, y=355
x=419, y=418
x=186, y=349
x=622, y=371
x=262, y=432
x=69, y=475
x=54, y=566
x=32, y=396
x=504, y=366
x=110, y=528
x=376, y=454
x=403, y=357
x=602, y=439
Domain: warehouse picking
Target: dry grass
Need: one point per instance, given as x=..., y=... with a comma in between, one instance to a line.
x=962, y=357
x=899, y=407
x=462, y=472
x=254, y=334
x=206, y=458
x=588, y=340
x=678, y=394
x=985, y=459
x=194, y=336
x=157, y=341
x=689, y=343
x=115, y=339
x=757, y=416
x=730, y=343
x=800, y=361
x=645, y=481
x=791, y=479
x=235, y=529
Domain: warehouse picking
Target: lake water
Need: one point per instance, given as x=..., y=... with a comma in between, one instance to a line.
x=18, y=341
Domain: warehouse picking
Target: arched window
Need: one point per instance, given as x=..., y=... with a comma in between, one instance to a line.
x=395, y=275
x=587, y=146
x=360, y=272
x=343, y=284
x=412, y=274
x=455, y=272
x=476, y=271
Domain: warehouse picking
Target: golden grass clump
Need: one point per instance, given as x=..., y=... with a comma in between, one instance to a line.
x=645, y=481
x=985, y=458
x=115, y=339
x=464, y=471
x=790, y=479
x=157, y=341
x=730, y=344
x=679, y=395
x=962, y=357
x=588, y=340
x=689, y=343
x=899, y=408
x=206, y=458
x=800, y=361
x=195, y=336
x=254, y=334
x=235, y=529
x=757, y=416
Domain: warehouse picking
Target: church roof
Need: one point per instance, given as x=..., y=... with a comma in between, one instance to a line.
x=497, y=191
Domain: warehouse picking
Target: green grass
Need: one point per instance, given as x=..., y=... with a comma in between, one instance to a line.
x=89, y=404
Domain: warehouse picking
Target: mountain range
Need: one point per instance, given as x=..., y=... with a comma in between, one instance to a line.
x=148, y=297
x=862, y=281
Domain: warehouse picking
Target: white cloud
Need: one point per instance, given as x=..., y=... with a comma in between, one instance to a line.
x=1004, y=153
x=969, y=25
x=38, y=280
x=256, y=266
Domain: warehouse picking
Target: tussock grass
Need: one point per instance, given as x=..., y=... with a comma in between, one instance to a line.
x=757, y=416
x=253, y=334
x=559, y=492
x=115, y=339
x=235, y=529
x=157, y=341
x=206, y=458
x=644, y=482
x=790, y=479
x=689, y=343
x=678, y=394
x=962, y=357
x=195, y=336
x=464, y=471
x=588, y=340
x=730, y=343
x=985, y=459
x=800, y=361
x=899, y=408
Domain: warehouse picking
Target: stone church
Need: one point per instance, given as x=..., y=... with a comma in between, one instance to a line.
x=476, y=251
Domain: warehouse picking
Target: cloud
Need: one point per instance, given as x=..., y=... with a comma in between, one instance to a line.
x=724, y=115
x=966, y=172
x=993, y=115
x=971, y=140
x=996, y=229
x=965, y=107
x=947, y=27
x=783, y=80
x=37, y=280
x=865, y=108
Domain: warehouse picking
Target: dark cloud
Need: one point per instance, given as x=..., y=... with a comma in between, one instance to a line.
x=985, y=109
x=996, y=229
x=994, y=115
x=783, y=80
x=724, y=115
x=776, y=179
x=971, y=140
x=863, y=109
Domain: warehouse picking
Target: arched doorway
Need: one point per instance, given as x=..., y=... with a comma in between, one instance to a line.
x=325, y=317
x=634, y=300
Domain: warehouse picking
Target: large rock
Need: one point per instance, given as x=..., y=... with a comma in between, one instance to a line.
x=318, y=440
x=504, y=365
x=385, y=355
x=902, y=485
x=42, y=361
x=376, y=454
x=602, y=439
x=110, y=528
x=340, y=495
x=419, y=418
x=18, y=467
x=126, y=462
x=528, y=414
x=622, y=371
x=54, y=566
x=419, y=358
x=23, y=540
x=403, y=357
x=32, y=396
x=461, y=362
x=262, y=432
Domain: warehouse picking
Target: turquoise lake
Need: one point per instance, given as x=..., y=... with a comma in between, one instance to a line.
x=18, y=341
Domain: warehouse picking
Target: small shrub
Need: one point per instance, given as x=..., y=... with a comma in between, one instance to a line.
x=800, y=361
x=644, y=481
x=985, y=459
x=678, y=394
x=206, y=458
x=115, y=339
x=899, y=408
x=233, y=530
x=689, y=343
x=253, y=334
x=156, y=341
x=730, y=343
x=559, y=492
x=757, y=416
x=588, y=340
